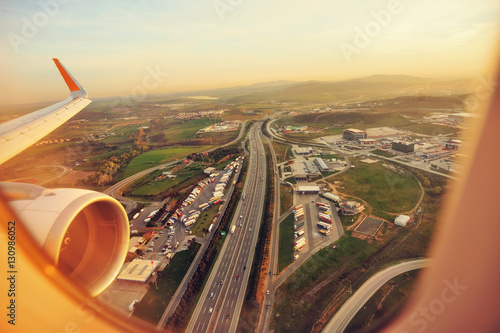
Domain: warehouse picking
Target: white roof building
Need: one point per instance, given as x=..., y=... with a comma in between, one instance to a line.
x=402, y=220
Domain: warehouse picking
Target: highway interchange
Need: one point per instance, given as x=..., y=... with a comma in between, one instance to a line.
x=220, y=304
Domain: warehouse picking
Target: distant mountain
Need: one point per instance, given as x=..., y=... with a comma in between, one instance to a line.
x=230, y=92
x=360, y=89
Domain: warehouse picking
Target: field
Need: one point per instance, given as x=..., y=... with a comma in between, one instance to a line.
x=200, y=228
x=283, y=152
x=150, y=186
x=155, y=157
x=151, y=307
x=285, y=251
x=382, y=153
x=296, y=304
x=286, y=198
x=385, y=190
x=384, y=304
x=430, y=129
x=356, y=119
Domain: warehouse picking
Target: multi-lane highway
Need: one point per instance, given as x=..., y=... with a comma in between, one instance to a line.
x=220, y=304
x=345, y=314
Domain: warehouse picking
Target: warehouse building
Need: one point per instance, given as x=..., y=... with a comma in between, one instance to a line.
x=351, y=208
x=303, y=151
x=403, y=146
x=308, y=189
x=321, y=164
x=402, y=220
x=353, y=134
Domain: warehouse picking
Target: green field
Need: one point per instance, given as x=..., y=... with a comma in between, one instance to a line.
x=382, y=153
x=200, y=228
x=152, y=305
x=285, y=252
x=385, y=190
x=187, y=130
x=286, y=198
x=297, y=307
x=148, y=185
x=430, y=129
x=154, y=157
x=385, y=303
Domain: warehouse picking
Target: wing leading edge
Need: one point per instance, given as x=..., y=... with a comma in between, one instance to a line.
x=20, y=133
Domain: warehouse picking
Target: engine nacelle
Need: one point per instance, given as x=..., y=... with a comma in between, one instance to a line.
x=84, y=233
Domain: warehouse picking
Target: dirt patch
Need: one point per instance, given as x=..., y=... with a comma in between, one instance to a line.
x=70, y=179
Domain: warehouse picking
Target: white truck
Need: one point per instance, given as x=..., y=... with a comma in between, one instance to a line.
x=233, y=229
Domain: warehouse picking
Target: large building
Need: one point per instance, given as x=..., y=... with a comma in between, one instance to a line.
x=351, y=207
x=403, y=146
x=353, y=134
x=308, y=189
x=402, y=220
x=321, y=164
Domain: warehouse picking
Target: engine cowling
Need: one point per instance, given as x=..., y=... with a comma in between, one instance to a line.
x=84, y=233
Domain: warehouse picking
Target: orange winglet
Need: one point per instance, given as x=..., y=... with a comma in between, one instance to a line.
x=66, y=76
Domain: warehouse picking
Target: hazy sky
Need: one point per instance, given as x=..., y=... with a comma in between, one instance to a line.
x=112, y=47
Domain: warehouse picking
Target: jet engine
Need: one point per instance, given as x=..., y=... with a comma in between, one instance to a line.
x=84, y=233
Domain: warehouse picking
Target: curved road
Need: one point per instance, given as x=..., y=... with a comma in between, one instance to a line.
x=345, y=314
x=114, y=190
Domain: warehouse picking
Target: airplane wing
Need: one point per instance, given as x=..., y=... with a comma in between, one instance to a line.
x=20, y=133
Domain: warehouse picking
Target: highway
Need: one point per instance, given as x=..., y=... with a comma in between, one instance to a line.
x=344, y=315
x=220, y=304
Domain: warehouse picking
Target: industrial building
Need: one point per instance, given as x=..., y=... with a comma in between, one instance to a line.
x=402, y=220
x=403, y=146
x=367, y=142
x=453, y=144
x=353, y=134
x=321, y=164
x=138, y=270
x=351, y=208
x=303, y=151
x=308, y=189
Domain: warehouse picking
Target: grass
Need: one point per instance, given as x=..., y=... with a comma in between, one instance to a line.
x=154, y=303
x=297, y=307
x=382, y=153
x=187, y=130
x=429, y=129
x=383, y=189
x=285, y=251
x=291, y=180
x=155, y=157
x=200, y=228
x=151, y=186
x=348, y=220
x=286, y=198
x=283, y=151
x=385, y=303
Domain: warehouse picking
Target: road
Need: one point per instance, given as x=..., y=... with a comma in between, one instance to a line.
x=345, y=314
x=115, y=190
x=174, y=302
x=220, y=303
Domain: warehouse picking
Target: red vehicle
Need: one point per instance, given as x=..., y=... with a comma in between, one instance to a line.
x=237, y=277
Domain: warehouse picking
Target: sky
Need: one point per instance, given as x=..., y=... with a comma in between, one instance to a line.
x=130, y=47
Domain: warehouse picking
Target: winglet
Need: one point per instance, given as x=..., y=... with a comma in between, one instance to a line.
x=76, y=88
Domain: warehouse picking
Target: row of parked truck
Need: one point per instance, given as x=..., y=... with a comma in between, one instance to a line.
x=216, y=198
x=325, y=217
x=298, y=214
